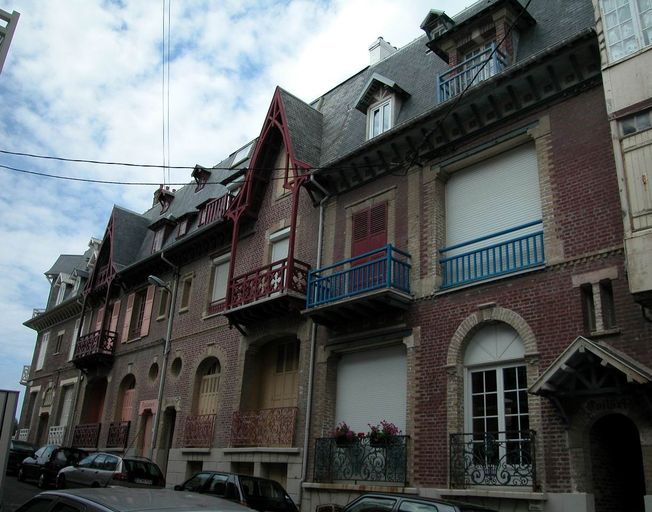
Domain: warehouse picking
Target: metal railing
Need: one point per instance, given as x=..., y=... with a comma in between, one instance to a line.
x=215, y=209
x=485, y=65
x=264, y=427
x=95, y=343
x=493, y=459
x=56, y=434
x=23, y=434
x=361, y=460
x=280, y=276
x=118, y=434
x=498, y=258
x=86, y=435
x=198, y=431
x=385, y=267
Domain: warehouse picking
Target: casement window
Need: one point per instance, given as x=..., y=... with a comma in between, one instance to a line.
x=43, y=348
x=496, y=400
x=636, y=123
x=61, y=293
x=158, y=239
x=186, y=290
x=379, y=118
x=473, y=64
x=219, y=284
x=73, y=341
x=627, y=26
x=163, y=303
x=598, y=308
x=493, y=229
x=138, y=314
x=65, y=408
x=209, y=385
x=372, y=386
x=59, y=342
x=182, y=228
x=280, y=242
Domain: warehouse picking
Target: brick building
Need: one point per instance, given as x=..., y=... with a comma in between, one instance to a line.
x=436, y=243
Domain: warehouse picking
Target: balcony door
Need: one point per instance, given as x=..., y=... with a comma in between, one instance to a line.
x=280, y=246
x=369, y=232
x=209, y=385
x=280, y=376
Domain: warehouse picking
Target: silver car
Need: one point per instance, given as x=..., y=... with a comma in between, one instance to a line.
x=103, y=469
x=127, y=500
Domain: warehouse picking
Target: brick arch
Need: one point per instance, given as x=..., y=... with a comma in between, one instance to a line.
x=474, y=322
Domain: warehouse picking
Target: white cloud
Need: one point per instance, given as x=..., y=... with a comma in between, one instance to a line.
x=83, y=79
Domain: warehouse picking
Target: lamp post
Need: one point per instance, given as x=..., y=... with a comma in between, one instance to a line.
x=157, y=281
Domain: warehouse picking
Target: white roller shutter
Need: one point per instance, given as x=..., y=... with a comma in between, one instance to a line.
x=493, y=195
x=372, y=386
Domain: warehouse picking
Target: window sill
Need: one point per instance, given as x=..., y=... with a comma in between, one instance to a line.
x=134, y=339
x=604, y=332
x=208, y=316
x=452, y=289
x=159, y=318
x=627, y=57
x=184, y=310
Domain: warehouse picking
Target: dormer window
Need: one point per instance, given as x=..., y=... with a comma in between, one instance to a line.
x=183, y=227
x=241, y=155
x=164, y=197
x=380, y=118
x=158, y=239
x=200, y=175
x=61, y=294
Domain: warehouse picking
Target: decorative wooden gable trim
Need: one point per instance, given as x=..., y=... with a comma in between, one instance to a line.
x=587, y=368
x=104, y=270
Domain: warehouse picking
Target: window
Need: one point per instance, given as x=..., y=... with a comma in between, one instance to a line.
x=627, y=26
x=636, y=123
x=42, y=350
x=380, y=118
x=607, y=302
x=59, y=342
x=61, y=293
x=242, y=154
x=65, y=409
x=598, y=308
x=36, y=505
x=138, y=314
x=588, y=307
x=163, y=304
x=220, y=281
x=474, y=63
x=182, y=228
x=209, y=385
x=186, y=288
x=280, y=241
x=158, y=239
x=373, y=504
x=48, y=396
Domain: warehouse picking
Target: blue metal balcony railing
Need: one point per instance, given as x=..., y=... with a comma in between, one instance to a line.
x=455, y=80
x=385, y=267
x=499, y=258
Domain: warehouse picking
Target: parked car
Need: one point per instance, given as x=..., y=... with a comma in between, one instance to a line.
x=126, y=500
x=390, y=502
x=102, y=469
x=18, y=451
x=260, y=494
x=44, y=465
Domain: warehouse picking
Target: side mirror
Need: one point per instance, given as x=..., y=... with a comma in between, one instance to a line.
x=178, y=487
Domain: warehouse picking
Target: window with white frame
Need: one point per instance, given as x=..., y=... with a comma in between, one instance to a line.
x=42, y=350
x=496, y=401
x=219, y=283
x=65, y=408
x=380, y=118
x=61, y=293
x=627, y=26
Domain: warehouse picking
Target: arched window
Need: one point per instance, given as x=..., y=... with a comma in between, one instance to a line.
x=208, y=385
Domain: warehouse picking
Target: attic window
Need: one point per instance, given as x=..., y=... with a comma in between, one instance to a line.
x=200, y=175
x=158, y=239
x=380, y=118
x=241, y=155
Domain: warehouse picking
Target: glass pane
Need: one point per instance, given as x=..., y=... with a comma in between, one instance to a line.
x=478, y=427
x=511, y=405
x=490, y=381
x=373, y=503
x=511, y=424
x=522, y=402
x=492, y=404
x=36, y=505
x=478, y=406
x=386, y=117
x=509, y=378
x=522, y=381
x=477, y=382
x=525, y=422
x=375, y=130
x=631, y=45
x=624, y=13
x=413, y=506
x=492, y=424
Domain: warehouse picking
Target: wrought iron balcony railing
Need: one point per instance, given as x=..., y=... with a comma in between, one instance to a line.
x=361, y=460
x=198, y=431
x=118, y=434
x=493, y=459
x=281, y=276
x=470, y=72
x=98, y=343
x=385, y=267
x=86, y=435
x=264, y=427
x=474, y=261
x=215, y=209
x=56, y=434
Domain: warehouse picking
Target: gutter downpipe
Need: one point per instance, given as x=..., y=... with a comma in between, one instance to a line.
x=166, y=354
x=313, y=343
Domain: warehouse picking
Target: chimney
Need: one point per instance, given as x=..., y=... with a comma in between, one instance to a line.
x=379, y=50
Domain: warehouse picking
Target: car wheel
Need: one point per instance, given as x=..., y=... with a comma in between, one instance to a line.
x=42, y=483
x=61, y=482
x=21, y=475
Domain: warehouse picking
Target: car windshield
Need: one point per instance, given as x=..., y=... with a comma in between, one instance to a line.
x=142, y=469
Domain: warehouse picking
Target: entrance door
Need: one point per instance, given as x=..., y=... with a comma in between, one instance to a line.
x=617, y=465
x=146, y=433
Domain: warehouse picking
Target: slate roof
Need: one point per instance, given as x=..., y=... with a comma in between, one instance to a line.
x=66, y=263
x=305, y=127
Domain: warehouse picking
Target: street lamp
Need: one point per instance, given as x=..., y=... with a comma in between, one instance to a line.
x=157, y=281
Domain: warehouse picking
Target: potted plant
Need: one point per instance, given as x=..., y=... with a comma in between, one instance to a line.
x=383, y=433
x=343, y=434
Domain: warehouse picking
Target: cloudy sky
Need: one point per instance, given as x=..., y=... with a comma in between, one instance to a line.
x=83, y=79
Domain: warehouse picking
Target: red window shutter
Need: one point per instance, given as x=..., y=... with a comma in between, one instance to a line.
x=147, y=314
x=114, y=317
x=369, y=229
x=127, y=324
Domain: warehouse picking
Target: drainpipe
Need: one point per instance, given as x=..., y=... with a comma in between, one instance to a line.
x=313, y=343
x=166, y=353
